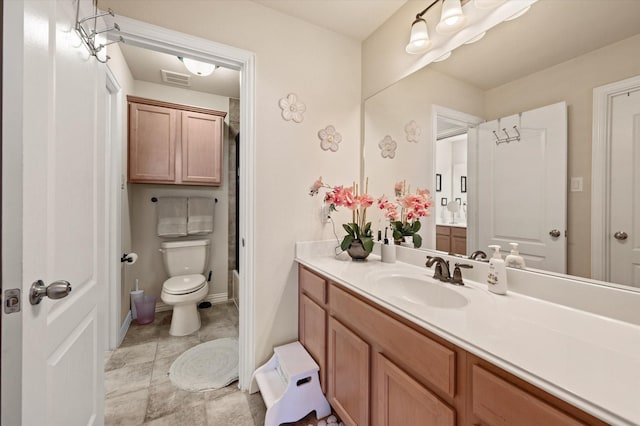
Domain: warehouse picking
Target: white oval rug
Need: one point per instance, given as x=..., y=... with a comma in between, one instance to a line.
x=210, y=365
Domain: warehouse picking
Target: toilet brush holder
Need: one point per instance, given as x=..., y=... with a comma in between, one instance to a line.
x=135, y=295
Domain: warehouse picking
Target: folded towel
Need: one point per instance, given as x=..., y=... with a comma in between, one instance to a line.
x=172, y=216
x=200, y=216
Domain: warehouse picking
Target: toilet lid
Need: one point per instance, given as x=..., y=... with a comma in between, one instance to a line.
x=184, y=284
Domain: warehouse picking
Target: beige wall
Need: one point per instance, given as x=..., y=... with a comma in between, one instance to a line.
x=572, y=81
x=323, y=68
x=121, y=71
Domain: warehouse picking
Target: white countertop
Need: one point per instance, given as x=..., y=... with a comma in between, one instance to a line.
x=588, y=360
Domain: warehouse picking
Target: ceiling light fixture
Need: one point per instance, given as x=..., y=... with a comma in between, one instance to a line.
x=202, y=69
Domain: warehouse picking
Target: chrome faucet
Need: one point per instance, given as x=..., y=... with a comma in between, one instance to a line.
x=441, y=271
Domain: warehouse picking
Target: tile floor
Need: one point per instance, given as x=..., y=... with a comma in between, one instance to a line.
x=137, y=386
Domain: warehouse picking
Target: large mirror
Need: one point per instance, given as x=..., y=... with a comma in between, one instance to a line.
x=552, y=57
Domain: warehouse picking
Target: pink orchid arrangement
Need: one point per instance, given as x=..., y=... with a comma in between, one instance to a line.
x=405, y=212
x=349, y=197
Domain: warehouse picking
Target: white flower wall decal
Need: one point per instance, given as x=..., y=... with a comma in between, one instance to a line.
x=329, y=138
x=413, y=131
x=292, y=108
x=387, y=147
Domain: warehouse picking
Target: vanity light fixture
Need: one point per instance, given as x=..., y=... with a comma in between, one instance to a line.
x=451, y=19
x=202, y=69
x=487, y=4
x=519, y=14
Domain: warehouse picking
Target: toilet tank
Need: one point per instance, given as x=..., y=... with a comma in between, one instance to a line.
x=185, y=257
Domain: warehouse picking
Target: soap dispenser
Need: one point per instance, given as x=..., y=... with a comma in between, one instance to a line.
x=514, y=259
x=497, y=279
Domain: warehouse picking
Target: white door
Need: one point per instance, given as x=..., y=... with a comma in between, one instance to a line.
x=624, y=225
x=55, y=176
x=521, y=186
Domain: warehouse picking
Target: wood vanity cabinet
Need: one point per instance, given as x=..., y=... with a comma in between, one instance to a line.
x=451, y=239
x=174, y=144
x=378, y=368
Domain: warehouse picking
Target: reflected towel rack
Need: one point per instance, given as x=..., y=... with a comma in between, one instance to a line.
x=509, y=138
x=155, y=199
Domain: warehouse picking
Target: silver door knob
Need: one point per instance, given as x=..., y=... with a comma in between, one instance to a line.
x=620, y=235
x=554, y=233
x=55, y=290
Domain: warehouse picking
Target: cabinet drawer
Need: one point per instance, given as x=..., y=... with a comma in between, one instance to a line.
x=428, y=360
x=400, y=400
x=312, y=285
x=443, y=230
x=498, y=402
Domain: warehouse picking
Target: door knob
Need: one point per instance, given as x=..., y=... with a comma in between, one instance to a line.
x=620, y=235
x=554, y=233
x=55, y=290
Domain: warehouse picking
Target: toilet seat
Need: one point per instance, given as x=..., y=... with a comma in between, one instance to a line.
x=184, y=284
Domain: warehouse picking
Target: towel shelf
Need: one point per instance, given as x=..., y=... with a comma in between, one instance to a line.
x=155, y=200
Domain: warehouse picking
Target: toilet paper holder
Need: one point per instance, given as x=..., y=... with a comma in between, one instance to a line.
x=129, y=258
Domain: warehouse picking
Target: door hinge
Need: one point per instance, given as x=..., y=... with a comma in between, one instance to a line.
x=12, y=300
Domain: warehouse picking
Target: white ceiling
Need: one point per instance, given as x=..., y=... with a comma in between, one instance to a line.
x=146, y=65
x=354, y=18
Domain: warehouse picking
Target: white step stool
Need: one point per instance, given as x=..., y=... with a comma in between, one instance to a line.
x=290, y=386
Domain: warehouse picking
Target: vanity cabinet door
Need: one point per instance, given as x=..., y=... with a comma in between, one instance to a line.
x=459, y=240
x=313, y=333
x=401, y=400
x=443, y=238
x=348, y=377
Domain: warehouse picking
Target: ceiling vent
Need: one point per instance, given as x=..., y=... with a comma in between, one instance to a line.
x=176, y=78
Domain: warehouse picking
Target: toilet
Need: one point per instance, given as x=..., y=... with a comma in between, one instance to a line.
x=185, y=262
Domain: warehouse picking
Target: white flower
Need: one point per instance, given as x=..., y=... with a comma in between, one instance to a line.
x=387, y=147
x=413, y=131
x=292, y=109
x=329, y=138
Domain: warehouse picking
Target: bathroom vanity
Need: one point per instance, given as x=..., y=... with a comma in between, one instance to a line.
x=395, y=346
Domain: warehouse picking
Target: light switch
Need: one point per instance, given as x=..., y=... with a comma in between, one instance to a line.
x=576, y=184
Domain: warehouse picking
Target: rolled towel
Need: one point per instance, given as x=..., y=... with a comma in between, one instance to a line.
x=172, y=216
x=200, y=215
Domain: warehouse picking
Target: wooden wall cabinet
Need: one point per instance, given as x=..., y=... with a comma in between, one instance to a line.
x=379, y=369
x=451, y=239
x=174, y=144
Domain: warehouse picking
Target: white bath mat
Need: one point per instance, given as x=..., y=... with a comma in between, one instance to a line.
x=210, y=365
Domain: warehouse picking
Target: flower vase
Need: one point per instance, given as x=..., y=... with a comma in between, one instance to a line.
x=357, y=251
x=408, y=241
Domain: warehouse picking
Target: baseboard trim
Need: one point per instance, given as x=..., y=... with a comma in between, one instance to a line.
x=124, y=328
x=215, y=298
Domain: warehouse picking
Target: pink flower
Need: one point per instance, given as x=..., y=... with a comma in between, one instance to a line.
x=315, y=188
x=423, y=192
x=365, y=200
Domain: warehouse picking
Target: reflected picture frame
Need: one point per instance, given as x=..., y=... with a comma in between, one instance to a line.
x=463, y=184
x=443, y=201
x=438, y=182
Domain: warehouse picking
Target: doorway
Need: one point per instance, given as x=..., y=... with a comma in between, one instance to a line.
x=139, y=34
x=615, y=186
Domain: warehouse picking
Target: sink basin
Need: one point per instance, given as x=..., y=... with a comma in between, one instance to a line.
x=416, y=289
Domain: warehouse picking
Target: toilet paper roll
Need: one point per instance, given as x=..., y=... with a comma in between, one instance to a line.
x=131, y=258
